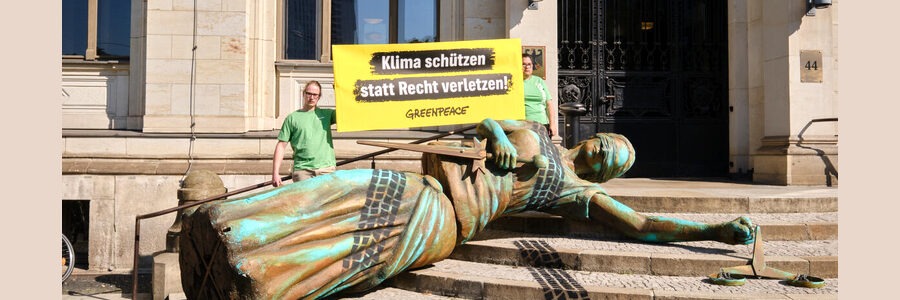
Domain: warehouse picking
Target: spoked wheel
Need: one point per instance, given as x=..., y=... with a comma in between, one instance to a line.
x=68, y=258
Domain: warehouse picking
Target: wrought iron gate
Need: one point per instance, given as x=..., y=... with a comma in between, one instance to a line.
x=654, y=71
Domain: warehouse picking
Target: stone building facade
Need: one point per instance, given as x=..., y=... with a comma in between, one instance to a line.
x=207, y=84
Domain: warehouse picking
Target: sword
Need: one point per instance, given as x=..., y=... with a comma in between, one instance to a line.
x=476, y=152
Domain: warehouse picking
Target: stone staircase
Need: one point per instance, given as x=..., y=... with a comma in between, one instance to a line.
x=540, y=256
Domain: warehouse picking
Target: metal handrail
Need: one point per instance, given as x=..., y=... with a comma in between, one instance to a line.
x=800, y=135
x=829, y=167
x=138, y=218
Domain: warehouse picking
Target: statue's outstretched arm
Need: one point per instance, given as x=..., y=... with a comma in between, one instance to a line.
x=607, y=210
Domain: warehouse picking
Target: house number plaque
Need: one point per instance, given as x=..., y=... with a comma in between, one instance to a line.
x=810, y=66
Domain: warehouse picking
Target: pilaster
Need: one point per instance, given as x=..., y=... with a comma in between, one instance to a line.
x=197, y=70
x=799, y=117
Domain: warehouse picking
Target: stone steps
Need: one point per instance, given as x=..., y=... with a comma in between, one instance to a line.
x=814, y=257
x=783, y=203
x=473, y=280
x=776, y=226
x=536, y=255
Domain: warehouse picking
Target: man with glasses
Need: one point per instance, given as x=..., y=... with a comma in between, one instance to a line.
x=308, y=130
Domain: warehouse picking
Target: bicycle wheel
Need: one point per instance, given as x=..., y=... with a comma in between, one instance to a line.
x=68, y=258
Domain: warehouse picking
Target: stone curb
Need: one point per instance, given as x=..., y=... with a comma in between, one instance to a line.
x=642, y=262
x=473, y=287
x=667, y=295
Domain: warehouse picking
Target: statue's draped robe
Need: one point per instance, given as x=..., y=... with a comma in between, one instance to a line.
x=352, y=229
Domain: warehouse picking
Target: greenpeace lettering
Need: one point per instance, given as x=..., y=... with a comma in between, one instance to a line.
x=432, y=61
x=436, y=112
x=432, y=88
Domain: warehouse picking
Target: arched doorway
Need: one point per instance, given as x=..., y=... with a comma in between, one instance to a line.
x=654, y=71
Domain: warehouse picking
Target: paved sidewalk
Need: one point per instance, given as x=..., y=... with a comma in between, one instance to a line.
x=606, y=284
x=381, y=293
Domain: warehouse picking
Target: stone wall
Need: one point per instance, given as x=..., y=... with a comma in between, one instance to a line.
x=198, y=68
x=782, y=130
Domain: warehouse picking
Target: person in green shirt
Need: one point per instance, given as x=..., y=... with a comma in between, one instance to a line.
x=537, y=97
x=308, y=130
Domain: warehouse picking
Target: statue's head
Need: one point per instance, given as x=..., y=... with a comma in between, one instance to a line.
x=603, y=157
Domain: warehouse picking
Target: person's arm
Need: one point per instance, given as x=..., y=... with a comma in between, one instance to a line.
x=333, y=116
x=276, y=163
x=550, y=108
x=552, y=117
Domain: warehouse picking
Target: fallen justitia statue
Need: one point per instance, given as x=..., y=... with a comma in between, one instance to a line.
x=352, y=229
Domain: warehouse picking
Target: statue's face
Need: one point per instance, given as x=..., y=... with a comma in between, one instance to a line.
x=593, y=154
x=604, y=158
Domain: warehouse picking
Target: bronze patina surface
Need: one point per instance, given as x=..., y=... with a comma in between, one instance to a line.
x=352, y=229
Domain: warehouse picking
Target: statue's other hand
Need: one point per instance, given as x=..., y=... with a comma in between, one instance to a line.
x=505, y=154
x=540, y=161
x=738, y=231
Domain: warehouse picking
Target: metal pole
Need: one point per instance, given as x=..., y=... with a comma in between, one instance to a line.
x=572, y=110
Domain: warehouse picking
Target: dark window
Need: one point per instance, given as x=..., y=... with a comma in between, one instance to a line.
x=74, y=27
x=113, y=28
x=301, y=29
x=416, y=24
x=113, y=23
x=75, y=226
x=359, y=22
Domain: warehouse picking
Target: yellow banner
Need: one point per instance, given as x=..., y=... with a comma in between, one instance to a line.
x=389, y=86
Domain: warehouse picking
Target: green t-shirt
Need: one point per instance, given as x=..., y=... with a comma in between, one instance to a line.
x=536, y=96
x=309, y=133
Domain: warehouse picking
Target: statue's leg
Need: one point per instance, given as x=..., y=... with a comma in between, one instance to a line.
x=606, y=210
x=348, y=230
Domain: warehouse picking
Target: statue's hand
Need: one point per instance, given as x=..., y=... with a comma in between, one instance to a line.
x=504, y=154
x=738, y=231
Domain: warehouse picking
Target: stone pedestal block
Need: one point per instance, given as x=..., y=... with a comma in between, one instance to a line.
x=810, y=161
x=166, y=275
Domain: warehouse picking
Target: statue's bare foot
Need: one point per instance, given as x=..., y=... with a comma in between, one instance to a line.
x=738, y=231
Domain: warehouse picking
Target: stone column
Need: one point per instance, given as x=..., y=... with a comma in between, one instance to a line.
x=798, y=146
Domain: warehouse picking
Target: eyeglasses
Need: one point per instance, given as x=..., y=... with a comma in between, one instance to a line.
x=310, y=94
